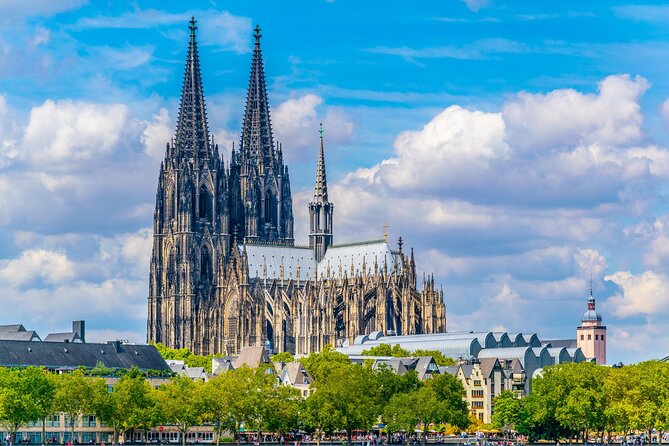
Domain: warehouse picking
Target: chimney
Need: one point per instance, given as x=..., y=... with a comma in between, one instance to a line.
x=79, y=327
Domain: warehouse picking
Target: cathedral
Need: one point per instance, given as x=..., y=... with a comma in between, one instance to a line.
x=225, y=271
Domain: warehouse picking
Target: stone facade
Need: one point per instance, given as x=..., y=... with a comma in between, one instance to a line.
x=225, y=273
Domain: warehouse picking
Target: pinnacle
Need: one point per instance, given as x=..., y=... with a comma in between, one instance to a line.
x=257, y=142
x=192, y=133
x=321, y=188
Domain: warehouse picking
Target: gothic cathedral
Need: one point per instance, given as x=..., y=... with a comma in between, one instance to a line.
x=225, y=272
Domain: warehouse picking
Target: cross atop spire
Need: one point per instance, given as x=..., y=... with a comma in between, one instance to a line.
x=257, y=140
x=321, y=188
x=192, y=133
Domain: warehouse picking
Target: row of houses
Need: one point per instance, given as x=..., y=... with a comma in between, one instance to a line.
x=487, y=363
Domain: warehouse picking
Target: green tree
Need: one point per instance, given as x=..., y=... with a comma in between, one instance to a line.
x=179, y=404
x=284, y=405
x=389, y=384
x=41, y=386
x=320, y=365
x=508, y=411
x=441, y=401
x=349, y=391
x=283, y=357
x=17, y=405
x=319, y=414
x=387, y=350
x=223, y=399
x=401, y=413
x=77, y=395
x=130, y=405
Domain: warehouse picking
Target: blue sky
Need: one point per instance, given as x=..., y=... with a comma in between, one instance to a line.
x=519, y=147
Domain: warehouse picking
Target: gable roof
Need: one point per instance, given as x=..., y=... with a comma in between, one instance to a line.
x=251, y=357
x=63, y=337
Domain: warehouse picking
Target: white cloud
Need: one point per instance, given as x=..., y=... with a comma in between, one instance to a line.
x=227, y=31
x=218, y=28
x=68, y=131
x=567, y=117
x=646, y=294
x=52, y=267
x=8, y=134
x=13, y=9
x=296, y=122
x=157, y=134
x=475, y=5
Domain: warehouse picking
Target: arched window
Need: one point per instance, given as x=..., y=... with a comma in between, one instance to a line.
x=270, y=208
x=205, y=266
x=205, y=204
x=169, y=205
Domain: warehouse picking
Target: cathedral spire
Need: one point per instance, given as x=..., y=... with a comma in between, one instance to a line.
x=321, y=187
x=192, y=134
x=257, y=128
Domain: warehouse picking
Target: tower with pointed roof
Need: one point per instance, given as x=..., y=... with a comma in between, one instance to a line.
x=225, y=273
x=191, y=233
x=320, y=209
x=591, y=334
x=260, y=185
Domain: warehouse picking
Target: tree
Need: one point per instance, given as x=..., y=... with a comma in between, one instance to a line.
x=283, y=357
x=389, y=384
x=179, y=404
x=77, y=395
x=387, y=350
x=401, y=413
x=320, y=365
x=284, y=405
x=440, y=400
x=130, y=405
x=41, y=387
x=348, y=390
x=17, y=406
x=319, y=414
x=508, y=411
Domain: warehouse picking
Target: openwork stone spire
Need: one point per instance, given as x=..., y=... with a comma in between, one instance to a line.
x=257, y=128
x=192, y=135
x=321, y=188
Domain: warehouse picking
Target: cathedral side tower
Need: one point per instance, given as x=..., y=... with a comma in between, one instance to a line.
x=260, y=186
x=191, y=230
x=591, y=335
x=320, y=210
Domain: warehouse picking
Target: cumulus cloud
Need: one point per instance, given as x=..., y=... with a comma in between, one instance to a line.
x=568, y=117
x=70, y=131
x=157, y=134
x=8, y=134
x=44, y=288
x=296, y=122
x=52, y=267
x=646, y=293
x=227, y=31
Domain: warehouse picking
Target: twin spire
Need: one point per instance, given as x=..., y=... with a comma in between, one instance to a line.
x=257, y=139
x=192, y=133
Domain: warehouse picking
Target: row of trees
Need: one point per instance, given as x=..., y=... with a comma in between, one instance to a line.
x=344, y=397
x=579, y=400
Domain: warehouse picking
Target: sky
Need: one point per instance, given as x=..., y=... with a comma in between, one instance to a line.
x=520, y=147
